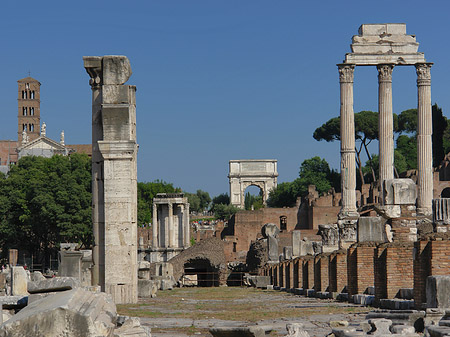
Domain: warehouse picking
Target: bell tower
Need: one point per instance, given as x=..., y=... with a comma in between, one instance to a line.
x=29, y=103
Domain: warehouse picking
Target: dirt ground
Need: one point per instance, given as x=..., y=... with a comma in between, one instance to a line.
x=192, y=311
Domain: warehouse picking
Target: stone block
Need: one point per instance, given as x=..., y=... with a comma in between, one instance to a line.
x=13, y=302
x=53, y=284
x=38, y=296
x=287, y=252
x=377, y=29
x=371, y=229
x=37, y=276
x=147, y=288
x=19, y=280
x=116, y=69
x=306, y=247
x=380, y=326
x=296, y=238
x=406, y=293
x=251, y=331
x=400, y=192
x=396, y=304
x=75, y=312
x=296, y=330
x=437, y=291
x=272, y=245
x=438, y=331
x=131, y=327
x=403, y=329
x=270, y=229
x=70, y=263
x=259, y=281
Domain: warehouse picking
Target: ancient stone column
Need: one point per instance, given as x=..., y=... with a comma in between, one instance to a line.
x=424, y=146
x=155, y=226
x=114, y=177
x=187, y=232
x=385, y=124
x=348, y=170
x=171, y=229
x=166, y=229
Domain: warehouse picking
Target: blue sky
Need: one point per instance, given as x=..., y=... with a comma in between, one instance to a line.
x=216, y=80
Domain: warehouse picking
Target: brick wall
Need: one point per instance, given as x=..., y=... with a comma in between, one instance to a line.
x=321, y=274
x=308, y=273
x=431, y=258
x=338, y=271
x=296, y=283
x=360, y=269
x=393, y=269
x=287, y=275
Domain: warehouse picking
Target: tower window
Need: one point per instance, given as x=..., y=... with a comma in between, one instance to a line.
x=24, y=127
x=31, y=127
x=283, y=223
x=24, y=94
x=32, y=94
x=27, y=85
x=24, y=111
x=31, y=111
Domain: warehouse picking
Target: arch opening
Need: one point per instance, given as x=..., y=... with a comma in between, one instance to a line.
x=253, y=197
x=445, y=193
x=201, y=272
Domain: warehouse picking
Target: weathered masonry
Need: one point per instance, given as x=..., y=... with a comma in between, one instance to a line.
x=170, y=228
x=385, y=46
x=257, y=172
x=114, y=176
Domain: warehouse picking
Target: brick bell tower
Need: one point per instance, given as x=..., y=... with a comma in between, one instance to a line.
x=29, y=103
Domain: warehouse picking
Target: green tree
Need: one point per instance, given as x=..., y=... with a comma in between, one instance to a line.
x=194, y=202
x=366, y=130
x=205, y=199
x=439, y=127
x=45, y=201
x=223, y=198
x=313, y=171
x=253, y=200
x=224, y=212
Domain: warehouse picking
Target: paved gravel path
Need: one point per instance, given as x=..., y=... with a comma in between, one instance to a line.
x=316, y=324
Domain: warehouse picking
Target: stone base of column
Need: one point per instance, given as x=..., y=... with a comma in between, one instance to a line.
x=347, y=232
x=424, y=211
x=122, y=293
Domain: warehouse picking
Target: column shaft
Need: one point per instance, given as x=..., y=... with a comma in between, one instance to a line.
x=348, y=169
x=171, y=229
x=155, y=228
x=187, y=236
x=385, y=124
x=424, y=146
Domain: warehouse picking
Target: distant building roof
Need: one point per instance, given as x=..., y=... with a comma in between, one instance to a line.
x=82, y=148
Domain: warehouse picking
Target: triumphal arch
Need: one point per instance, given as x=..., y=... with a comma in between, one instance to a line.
x=251, y=172
x=385, y=46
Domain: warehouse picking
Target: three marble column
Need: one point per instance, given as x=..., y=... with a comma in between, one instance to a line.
x=386, y=136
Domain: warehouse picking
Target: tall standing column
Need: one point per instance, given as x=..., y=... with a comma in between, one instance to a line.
x=385, y=124
x=187, y=236
x=348, y=170
x=155, y=226
x=114, y=176
x=171, y=229
x=424, y=146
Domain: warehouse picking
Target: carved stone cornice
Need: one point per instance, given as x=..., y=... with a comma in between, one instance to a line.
x=385, y=72
x=93, y=66
x=423, y=71
x=346, y=73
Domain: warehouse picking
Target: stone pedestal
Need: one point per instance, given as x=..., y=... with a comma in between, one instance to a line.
x=114, y=176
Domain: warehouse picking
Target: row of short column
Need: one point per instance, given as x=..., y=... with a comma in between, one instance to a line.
x=387, y=268
x=386, y=135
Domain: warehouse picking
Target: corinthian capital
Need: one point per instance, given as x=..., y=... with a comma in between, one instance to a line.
x=385, y=72
x=423, y=71
x=346, y=73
